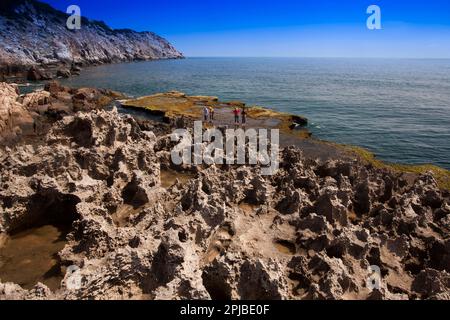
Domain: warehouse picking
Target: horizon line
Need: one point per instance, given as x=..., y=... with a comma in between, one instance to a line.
x=322, y=57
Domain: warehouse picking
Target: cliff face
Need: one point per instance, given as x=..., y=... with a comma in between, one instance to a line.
x=33, y=33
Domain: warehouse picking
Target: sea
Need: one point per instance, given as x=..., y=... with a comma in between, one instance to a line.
x=397, y=108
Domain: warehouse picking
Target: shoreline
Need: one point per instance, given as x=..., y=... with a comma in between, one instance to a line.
x=20, y=74
x=413, y=156
x=151, y=105
x=301, y=137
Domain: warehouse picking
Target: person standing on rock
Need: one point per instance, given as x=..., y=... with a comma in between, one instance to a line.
x=211, y=114
x=244, y=116
x=236, y=112
x=205, y=113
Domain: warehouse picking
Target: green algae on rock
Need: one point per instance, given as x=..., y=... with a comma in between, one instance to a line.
x=441, y=175
x=175, y=104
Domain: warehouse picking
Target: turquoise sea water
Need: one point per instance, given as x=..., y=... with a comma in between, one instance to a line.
x=399, y=109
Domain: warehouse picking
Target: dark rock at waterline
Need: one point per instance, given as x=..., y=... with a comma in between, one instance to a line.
x=75, y=68
x=35, y=74
x=63, y=73
x=298, y=121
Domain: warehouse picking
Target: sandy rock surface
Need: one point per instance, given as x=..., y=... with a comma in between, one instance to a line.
x=311, y=231
x=14, y=117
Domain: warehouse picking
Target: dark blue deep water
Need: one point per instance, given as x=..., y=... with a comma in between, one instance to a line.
x=399, y=109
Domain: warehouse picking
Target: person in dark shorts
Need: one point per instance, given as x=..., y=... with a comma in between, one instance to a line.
x=244, y=116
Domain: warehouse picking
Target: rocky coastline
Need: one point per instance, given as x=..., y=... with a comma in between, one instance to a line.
x=35, y=43
x=140, y=227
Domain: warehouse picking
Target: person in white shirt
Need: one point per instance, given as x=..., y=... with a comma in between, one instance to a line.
x=206, y=113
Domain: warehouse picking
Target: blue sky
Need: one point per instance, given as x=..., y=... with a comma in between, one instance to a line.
x=300, y=28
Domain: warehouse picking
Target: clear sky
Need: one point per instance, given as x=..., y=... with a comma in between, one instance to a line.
x=290, y=28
